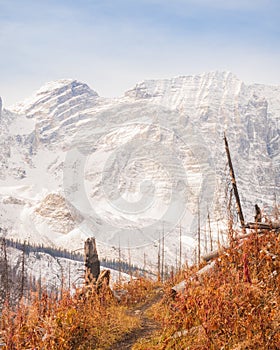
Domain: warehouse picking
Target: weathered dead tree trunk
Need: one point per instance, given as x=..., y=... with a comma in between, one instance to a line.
x=258, y=216
x=198, y=235
x=6, y=281
x=21, y=292
x=180, y=287
x=103, y=280
x=234, y=186
x=92, y=263
x=180, y=250
x=158, y=262
x=212, y=255
x=162, y=258
x=263, y=226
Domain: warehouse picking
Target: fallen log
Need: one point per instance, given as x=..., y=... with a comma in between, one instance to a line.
x=194, y=331
x=250, y=225
x=216, y=253
x=180, y=287
x=263, y=225
x=212, y=255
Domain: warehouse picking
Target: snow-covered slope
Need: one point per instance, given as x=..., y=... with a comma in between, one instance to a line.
x=50, y=271
x=127, y=170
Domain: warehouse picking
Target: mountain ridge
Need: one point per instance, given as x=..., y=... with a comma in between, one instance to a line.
x=143, y=160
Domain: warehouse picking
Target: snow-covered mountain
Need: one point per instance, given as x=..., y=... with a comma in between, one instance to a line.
x=127, y=170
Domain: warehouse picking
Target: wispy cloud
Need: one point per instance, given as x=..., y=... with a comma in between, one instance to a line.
x=113, y=44
x=217, y=4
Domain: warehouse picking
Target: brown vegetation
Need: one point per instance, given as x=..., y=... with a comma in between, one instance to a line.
x=85, y=321
x=234, y=307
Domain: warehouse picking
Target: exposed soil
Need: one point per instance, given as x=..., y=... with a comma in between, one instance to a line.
x=147, y=325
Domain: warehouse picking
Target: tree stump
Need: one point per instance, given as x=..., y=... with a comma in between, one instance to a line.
x=92, y=263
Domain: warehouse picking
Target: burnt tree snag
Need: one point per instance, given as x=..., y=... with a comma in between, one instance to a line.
x=234, y=186
x=258, y=216
x=92, y=263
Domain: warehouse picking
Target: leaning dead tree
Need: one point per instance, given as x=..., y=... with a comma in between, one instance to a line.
x=258, y=226
x=214, y=254
x=92, y=263
x=234, y=186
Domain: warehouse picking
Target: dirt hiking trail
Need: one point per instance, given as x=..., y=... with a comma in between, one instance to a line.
x=147, y=325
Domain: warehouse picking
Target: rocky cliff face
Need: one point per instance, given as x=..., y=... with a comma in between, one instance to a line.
x=134, y=167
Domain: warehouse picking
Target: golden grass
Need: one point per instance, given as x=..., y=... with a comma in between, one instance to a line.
x=85, y=321
x=234, y=307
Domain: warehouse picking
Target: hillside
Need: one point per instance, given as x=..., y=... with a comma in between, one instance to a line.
x=233, y=306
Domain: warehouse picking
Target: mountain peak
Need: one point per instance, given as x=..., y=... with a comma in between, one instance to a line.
x=55, y=93
x=62, y=84
x=180, y=84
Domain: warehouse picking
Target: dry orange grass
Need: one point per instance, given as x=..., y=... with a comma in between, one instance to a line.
x=234, y=307
x=85, y=321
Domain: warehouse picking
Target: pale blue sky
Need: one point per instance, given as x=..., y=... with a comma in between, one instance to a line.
x=112, y=44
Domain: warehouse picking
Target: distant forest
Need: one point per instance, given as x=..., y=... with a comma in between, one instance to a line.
x=114, y=264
